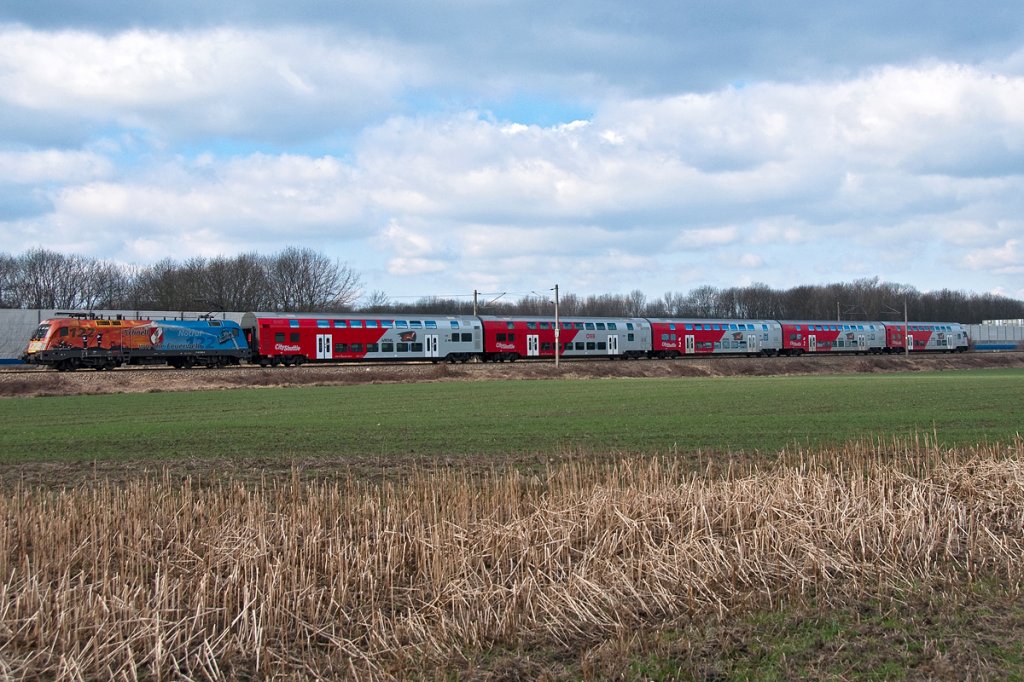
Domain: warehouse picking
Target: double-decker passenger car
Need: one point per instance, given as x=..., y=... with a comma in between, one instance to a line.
x=295, y=339
x=511, y=338
x=925, y=336
x=673, y=337
x=67, y=343
x=830, y=336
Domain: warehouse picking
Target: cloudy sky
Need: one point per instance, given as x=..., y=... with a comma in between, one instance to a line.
x=442, y=146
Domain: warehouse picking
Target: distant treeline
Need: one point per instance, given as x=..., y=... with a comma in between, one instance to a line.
x=864, y=299
x=303, y=280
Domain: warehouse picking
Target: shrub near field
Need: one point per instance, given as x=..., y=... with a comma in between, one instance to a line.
x=160, y=578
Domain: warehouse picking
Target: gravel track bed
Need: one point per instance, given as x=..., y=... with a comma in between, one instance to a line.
x=48, y=382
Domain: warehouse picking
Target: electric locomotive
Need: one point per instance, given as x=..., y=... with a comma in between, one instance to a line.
x=83, y=341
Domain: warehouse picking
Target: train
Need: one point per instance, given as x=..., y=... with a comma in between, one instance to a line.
x=270, y=340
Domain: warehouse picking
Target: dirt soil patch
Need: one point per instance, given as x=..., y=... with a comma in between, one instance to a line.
x=43, y=382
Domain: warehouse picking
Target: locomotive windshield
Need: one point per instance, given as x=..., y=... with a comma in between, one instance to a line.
x=40, y=333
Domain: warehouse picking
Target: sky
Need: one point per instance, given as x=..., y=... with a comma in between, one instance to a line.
x=444, y=146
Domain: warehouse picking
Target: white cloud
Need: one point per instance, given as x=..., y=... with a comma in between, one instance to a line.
x=223, y=81
x=1007, y=258
x=53, y=165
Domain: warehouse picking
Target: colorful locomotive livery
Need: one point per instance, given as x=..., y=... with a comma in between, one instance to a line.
x=272, y=340
x=73, y=342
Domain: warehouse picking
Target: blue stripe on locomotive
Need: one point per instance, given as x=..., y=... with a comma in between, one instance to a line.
x=197, y=335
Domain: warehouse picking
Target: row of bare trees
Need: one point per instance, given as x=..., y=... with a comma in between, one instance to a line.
x=304, y=280
x=293, y=280
x=863, y=299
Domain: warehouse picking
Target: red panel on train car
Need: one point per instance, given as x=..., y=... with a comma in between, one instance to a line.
x=525, y=338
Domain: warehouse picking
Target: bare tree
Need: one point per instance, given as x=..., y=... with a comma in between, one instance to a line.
x=377, y=302
x=8, y=280
x=47, y=279
x=106, y=285
x=304, y=280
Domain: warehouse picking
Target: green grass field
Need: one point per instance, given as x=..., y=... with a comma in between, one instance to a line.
x=505, y=417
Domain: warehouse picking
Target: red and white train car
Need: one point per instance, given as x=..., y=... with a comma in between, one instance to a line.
x=295, y=339
x=511, y=338
x=830, y=336
x=674, y=337
x=948, y=337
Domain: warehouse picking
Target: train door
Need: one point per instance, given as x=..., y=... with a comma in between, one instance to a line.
x=812, y=343
x=613, y=344
x=910, y=341
x=323, y=346
x=862, y=342
x=690, y=345
x=753, y=343
x=431, y=346
x=532, y=345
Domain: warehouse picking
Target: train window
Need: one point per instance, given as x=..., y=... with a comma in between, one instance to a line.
x=63, y=331
x=294, y=337
x=417, y=347
x=764, y=328
x=467, y=337
x=671, y=327
x=431, y=324
x=580, y=345
x=567, y=325
x=403, y=348
x=340, y=324
x=387, y=324
x=546, y=346
x=415, y=324
x=323, y=324
x=371, y=324
x=590, y=326
x=454, y=324
x=293, y=323
x=630, y=337
x=356, y=324
x=279, y=337
x=401, y=324
x=501, y=338
x=545, y=325
x=341, y=348
x=510, y=325
x=612, y=326
x=591, y=345
x=357, y=348
x=689, y=327
x=387, y=347
x=372, y=348
x=600, y=325
x=531, y=325
x=511, y=337
x=629, y=326
x=579, y=325
x=601, y=345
